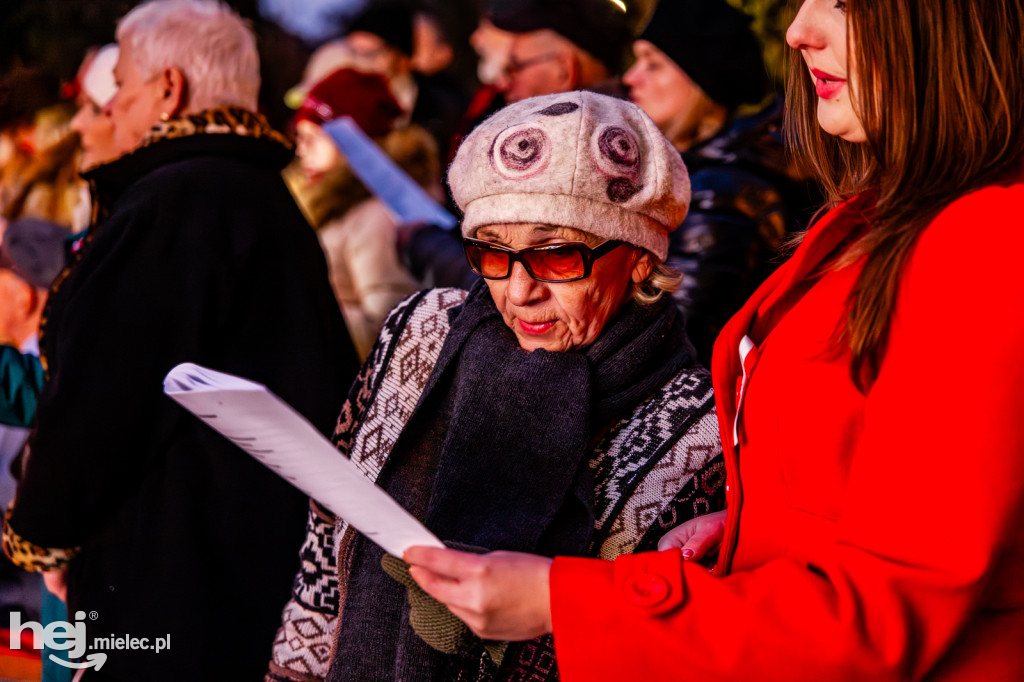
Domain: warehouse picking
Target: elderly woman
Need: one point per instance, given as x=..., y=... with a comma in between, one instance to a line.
x=155, y=524
x=875, y=526
x=555, y=407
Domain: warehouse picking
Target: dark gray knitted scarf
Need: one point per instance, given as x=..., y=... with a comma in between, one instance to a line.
x=495, y=456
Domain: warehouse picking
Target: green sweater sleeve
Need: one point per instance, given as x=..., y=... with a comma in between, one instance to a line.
x=21, y=380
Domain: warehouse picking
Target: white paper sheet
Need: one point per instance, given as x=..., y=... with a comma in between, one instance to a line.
x=271, y=431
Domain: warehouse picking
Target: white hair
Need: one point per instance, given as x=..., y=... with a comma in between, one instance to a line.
x=213, y=47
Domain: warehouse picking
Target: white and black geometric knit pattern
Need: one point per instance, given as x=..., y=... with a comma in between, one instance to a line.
x=636, y=445
x=316, y=584
x=652, y=495
x=380, y=403
x=385, y=399
x=644, y=471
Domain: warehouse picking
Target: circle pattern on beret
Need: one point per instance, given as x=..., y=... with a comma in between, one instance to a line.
x=621, y=190
x=619, y=145
x=520, y=152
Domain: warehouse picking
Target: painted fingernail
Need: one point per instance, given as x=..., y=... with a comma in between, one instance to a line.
x=687, y=553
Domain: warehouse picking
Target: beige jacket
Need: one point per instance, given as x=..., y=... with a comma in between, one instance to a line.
x=367, y=277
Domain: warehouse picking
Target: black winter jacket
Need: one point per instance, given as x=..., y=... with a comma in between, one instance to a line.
x=745, y=202
x=203, y=257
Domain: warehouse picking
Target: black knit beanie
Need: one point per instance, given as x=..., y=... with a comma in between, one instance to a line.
x=389, y=21
x=712, y=42
x=598, y=27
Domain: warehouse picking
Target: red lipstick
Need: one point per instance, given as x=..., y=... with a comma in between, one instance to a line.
x=826, y=85
x=535, y=328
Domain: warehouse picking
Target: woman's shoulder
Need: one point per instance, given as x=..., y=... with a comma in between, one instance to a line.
x=420, y=315
x=436, y=301
x=981, y=233
x=1000, y=203
x=679, y=402
x=964, y=270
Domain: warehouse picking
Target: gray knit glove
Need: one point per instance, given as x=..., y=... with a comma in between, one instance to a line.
x=433, y=622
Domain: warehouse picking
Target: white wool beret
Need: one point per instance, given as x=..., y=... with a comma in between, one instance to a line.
x=575, y=159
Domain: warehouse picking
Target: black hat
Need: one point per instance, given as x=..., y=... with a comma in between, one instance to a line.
x=599, y=27
x=389, y=21
x=34, y=251
x=712, y=42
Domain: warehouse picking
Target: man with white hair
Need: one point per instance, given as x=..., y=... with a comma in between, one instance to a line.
x=149, y=519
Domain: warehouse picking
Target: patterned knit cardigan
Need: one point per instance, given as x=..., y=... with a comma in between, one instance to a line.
x=652, y=471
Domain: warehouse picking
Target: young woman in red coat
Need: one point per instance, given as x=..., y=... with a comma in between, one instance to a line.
x=869, y=399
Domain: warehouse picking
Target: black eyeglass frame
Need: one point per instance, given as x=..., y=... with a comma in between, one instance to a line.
x=587, y=254
x=514, y=66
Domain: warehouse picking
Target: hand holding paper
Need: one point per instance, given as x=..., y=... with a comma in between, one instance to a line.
x=267, y=428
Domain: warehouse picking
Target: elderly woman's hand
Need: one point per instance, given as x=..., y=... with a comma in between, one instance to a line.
x=500, y=596
x=697, y=538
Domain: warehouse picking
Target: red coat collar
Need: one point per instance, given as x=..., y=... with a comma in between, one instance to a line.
x=771, y=301
x=766, y=307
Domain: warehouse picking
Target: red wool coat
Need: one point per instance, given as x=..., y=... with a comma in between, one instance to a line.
x=876, y=537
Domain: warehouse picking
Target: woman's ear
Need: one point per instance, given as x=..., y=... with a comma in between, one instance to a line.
x=642, y=268
x=175, y=91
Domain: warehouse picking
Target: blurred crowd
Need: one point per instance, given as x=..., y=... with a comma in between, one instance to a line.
x=400, y=70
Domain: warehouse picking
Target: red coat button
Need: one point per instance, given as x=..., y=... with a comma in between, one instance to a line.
x=646, y=589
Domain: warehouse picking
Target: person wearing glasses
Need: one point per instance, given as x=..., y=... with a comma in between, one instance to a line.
x=561, y=46
x=875, y=523
x=554, y=408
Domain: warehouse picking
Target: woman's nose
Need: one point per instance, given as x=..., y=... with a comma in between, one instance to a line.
x=522, y=289
x=802, y=32
x=78, y=120
x=629, y=78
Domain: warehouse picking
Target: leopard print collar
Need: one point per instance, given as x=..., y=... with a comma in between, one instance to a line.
x=218, y=121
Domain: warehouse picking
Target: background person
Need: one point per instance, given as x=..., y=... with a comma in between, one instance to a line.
x=697, y=65
x=561, y=46
x=95, y=129
x=865, y=538
x=157, y=524
x=38, y=177
x=381, y=39
x=358, y=234
x=31, y=256
x=546, y=47
x=559, y=407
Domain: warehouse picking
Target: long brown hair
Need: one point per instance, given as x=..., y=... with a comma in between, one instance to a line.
x=941, y=97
